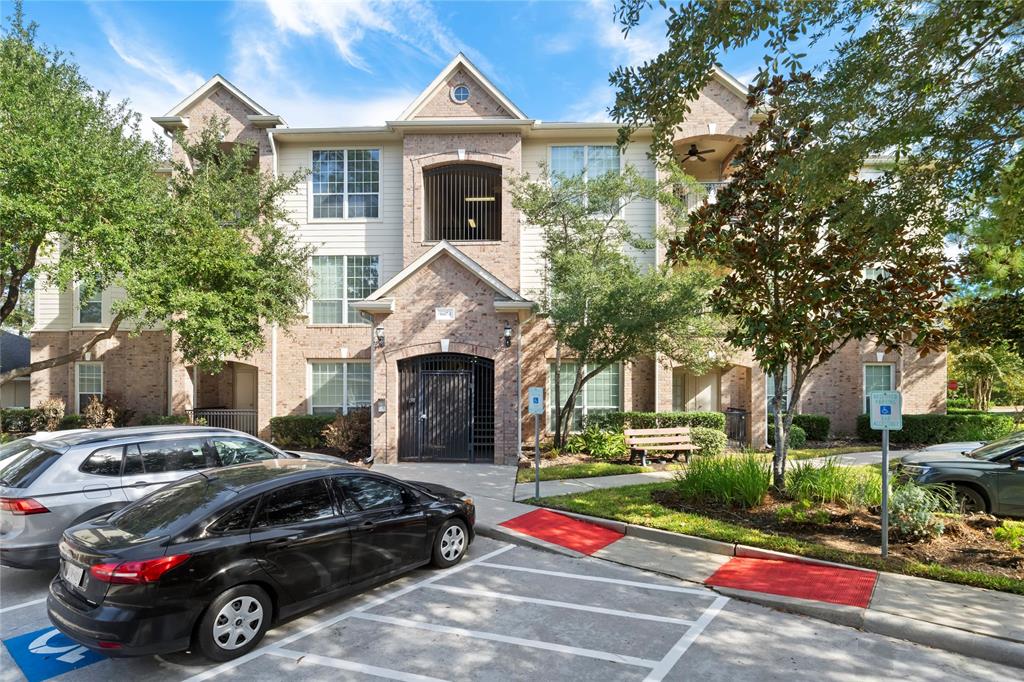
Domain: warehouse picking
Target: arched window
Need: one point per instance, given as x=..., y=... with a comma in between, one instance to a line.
x=463, y=203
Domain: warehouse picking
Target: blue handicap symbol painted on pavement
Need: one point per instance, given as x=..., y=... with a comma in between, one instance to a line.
x=885, y=409
x=47, y=653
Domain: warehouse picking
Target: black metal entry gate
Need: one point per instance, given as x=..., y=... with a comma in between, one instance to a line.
x=447, y=408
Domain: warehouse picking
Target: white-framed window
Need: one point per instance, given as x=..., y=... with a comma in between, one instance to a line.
x=603, y=393
x=570, y=161
x=786, y=391
x=90, y=306
x=88, y=383
x=345, y=183
x=338, y=282
x=460, y=93
x=878, y=376
x=338, y=386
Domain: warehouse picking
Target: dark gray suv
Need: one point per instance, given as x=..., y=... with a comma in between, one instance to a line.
x=52, y=484
x=989, y=478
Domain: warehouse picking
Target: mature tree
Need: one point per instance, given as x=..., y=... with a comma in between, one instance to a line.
x=76, y=177
x=806, y=277
x=605, y=307
x=991, y=307
x=208, y=255
x=985, y=369
x=942, y=81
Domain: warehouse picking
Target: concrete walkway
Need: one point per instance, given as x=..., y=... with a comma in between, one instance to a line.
x=976, y=622
x=855, y=458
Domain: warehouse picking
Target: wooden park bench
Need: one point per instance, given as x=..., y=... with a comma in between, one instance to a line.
x=673, y=439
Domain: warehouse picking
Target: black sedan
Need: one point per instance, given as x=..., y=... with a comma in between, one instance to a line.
x=212, y=560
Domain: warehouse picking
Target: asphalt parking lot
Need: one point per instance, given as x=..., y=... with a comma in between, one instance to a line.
x=510, y=613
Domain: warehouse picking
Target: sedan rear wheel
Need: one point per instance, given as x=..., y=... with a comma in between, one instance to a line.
x=450, y=543
x=971, y=501
x=234, y=623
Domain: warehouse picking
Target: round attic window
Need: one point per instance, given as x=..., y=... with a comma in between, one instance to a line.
x=460, y=94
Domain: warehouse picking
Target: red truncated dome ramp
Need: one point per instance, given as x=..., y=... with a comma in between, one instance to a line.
x=565, y=531
x=832, y=584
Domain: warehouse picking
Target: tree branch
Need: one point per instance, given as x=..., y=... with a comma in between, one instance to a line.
x=67, y=357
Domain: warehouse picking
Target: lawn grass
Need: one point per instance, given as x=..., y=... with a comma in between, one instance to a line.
x=582, y=470
x=811, y=453
x=633, y=504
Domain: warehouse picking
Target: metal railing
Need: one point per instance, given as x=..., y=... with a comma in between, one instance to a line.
x=694, y=200
x=239, y=420
x=736, y=426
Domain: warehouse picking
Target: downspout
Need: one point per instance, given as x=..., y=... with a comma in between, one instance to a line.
x=273, y=371
x=519, y=385
x=373, y=401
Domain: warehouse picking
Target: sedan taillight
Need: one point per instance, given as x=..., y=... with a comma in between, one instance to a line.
x=136, y=572
x=21, y=506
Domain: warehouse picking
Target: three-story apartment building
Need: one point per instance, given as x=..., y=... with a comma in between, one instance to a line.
x=423, y=277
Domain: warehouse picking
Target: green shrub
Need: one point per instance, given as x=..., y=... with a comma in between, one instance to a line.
x=708, y=441
x=163, y=419
x=832, y=482
x=964, y=402
x=816, y=426
x=803, y=511
x=598, y=443
x=303, y=430
x=914, y=509
x=618, y=421
x=741, y=480
x=349, y=434
x=17, y=420
x=925, y=429
x=72, y=421
x=797, y=436
x=1012, y=533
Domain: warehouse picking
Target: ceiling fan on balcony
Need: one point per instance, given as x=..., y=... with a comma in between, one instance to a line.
x=694, y=152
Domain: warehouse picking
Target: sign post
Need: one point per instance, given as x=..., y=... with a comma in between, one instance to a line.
x=536, y=404
x=886, y=415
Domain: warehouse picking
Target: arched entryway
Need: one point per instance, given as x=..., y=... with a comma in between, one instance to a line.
x=446, y=409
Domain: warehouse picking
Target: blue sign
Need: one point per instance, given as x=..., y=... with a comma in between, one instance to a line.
x=885, y=409
x=535, y=395
x=47, y=653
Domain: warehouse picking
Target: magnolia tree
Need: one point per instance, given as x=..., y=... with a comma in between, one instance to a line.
x=603, y=305
x=807, y=277
x=207, y=255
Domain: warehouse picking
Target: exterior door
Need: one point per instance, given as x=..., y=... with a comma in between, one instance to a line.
x=245, y=388
x=446, y=415
x=447, y=408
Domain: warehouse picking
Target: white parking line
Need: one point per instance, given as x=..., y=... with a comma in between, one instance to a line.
x=23, y=605
x=519, y=641
x=560, y=604
x=386, y=673
x=680, y=647
x=597, y=579
x=256, y=653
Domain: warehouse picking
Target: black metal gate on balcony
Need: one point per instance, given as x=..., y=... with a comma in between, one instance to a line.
x=447, y=408
x=463, y=203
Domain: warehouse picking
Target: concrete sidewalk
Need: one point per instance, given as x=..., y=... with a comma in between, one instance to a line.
x=971, y=621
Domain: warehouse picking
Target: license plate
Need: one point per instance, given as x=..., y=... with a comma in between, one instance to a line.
x=71, y=573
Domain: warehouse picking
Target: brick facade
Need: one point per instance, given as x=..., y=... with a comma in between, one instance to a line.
x=143, y=371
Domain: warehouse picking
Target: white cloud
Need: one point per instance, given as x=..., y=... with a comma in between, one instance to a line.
x=594, y=106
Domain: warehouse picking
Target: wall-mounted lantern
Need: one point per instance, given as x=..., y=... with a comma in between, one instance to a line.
x=508, y=335
x=378, y=334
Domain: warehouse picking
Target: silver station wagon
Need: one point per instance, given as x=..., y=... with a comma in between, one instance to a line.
x=48, y=484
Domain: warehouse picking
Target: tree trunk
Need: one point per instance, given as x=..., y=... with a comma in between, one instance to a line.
x=779, y=458
x=557, y=400
x=570, y=404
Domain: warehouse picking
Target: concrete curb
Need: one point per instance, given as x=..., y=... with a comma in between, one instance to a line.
x=943, y=637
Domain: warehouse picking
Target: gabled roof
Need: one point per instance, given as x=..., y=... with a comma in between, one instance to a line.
x=461, y=61
x=439, y=249
x=730, y=82
x=202, y=90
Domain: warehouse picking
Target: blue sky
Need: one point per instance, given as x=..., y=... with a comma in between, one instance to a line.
x=332, y=63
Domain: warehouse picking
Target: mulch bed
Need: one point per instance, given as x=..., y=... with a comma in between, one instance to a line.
x=966, y=544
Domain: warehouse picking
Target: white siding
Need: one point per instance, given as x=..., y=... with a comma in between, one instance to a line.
x=371, y=237
x=52, y=308
x=641, y=215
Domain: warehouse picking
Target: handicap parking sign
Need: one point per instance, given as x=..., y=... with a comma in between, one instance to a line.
x=47, y=653
x=885, y=409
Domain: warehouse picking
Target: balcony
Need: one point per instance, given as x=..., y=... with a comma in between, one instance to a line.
x=223, y=418
x=693, y=200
